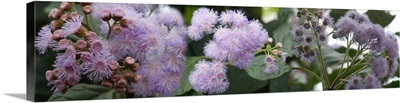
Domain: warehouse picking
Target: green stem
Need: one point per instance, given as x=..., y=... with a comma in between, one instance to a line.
x=87, y=26
x=323, y=64
x=359, y=70
x=87, y=22
x=109, y=29
x=344, y=59
x=313, y=74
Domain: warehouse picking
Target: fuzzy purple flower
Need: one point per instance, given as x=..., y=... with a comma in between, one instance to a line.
x=98, y=69
x=371, y=81
x=169, y=17
x=354, y=82
x=380, y=67
x=203, y=21
x=166, y=84
x=213, y=50
x=234, y=18
x=44, y=39
x=142, y=88
x=344, y=25
x=209, y=77
x=72, y=25
x=392, y=47
x=393, y=68
x=271, y=68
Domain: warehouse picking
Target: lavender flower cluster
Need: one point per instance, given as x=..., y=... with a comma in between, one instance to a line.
x=383, y=48
x=235, y=41
x=131, y=34
x=311, y=32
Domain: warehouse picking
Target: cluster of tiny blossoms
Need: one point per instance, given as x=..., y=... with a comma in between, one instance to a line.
x=132, y=34
x=383, y=49
x=235, y=41
x=155, y=37
x=309, y=33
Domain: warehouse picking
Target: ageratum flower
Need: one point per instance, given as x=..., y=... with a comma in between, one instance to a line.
x=380, y=67
x=344, y=26
x=371, y=81
x=98, y=68
x=165, y=84
x=209, y=77
x=44, y=39
x=142, y=87
x=234, y=18
x=393, y=68
x=169, y=17
x=392, y=47
x=271, y=68
x=354, y=82
x=202, y=23
x=72, y=25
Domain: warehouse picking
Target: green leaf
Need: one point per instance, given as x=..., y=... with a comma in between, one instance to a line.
x=352, y=52
x=380, y=17
x=334, y=74
x=189, y=67
x=397, y=33
x=84, y=92
x=337, y=13
x=282, y=33
x=285, y=84
x=257, y=66
x=241, y=82
x=394, y=84
x=330, y=56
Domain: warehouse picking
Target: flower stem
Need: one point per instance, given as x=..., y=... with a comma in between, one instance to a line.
x=359, y=70
x=109, y=29
x=344, y=59
x=313, y=74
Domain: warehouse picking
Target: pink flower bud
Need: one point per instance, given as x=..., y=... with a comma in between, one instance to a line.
x=90, y=36
x=50, y=76
x=65, y=6
x=107, y=83
x=116, y=29
x=114, y=65
x=73, y=14
x=55, y=13
x=87, y=9
x=105, y=14
x=118, y=14
x=97, y=46
x=55, y=24
x=275, y=52
x=129, y=61
x=57, y=35
x=137, y=78
x=81, y=44
x=270, y=40
x=279, y=45
x=64, y=18
x=81, y=31
x=126, y=22
x=64, y=43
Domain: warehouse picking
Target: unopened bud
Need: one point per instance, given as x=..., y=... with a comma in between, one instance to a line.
x=129, y=75
x=57, y=35
x=64, y=43
x=81, y=31
x=81, y=44
x=136, y=67
x=65, y=6
x=56, y=72
x=114, y=65
x=90, y=36
x=105, y=14
x=279, y=45
x=50, y=75
x=87, y=9
x=56, y=24
x=129, y=61
x=85, y=56
x=97, y=46
x=125, y=22
x=73, y=14
x=137, y=78
x=118, y=14
x=122, y=82
x=275, y=52
x=55, y=13
x=270, y=40
x=107, y=83
x=116, y=29
x=114, y=77
x=64, y=18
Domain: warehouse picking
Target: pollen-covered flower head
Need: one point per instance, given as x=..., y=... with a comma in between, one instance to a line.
x=202, y=23
x=72, y=25
x=380, y=67
x=209, y=77
x=44, y=39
